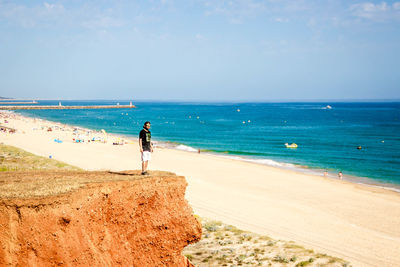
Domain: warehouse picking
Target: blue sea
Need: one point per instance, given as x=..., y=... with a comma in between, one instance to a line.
x=327, y=138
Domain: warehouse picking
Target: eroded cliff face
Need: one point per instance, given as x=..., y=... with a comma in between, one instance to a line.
x=69, y=218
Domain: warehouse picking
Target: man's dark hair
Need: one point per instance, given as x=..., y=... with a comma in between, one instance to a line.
x=147, y=122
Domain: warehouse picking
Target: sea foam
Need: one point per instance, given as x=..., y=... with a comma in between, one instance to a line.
x=186, y=148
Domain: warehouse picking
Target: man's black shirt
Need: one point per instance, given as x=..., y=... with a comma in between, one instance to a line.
x=146, y=139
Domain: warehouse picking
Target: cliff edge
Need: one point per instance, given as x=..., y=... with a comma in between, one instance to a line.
x=97, y=218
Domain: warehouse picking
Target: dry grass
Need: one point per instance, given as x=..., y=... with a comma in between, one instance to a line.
x=15, y=159
x=26, y=175
x=226, y=245
x=27, y=184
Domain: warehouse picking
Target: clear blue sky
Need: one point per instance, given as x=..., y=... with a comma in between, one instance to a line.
x=238, y=50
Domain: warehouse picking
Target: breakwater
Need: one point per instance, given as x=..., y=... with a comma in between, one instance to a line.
x=66, y=107
x=17, y=102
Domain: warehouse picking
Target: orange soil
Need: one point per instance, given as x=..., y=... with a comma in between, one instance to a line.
x=122, y=220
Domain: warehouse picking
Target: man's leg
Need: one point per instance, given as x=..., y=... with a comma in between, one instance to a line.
x=145, y=161
x=144, y=166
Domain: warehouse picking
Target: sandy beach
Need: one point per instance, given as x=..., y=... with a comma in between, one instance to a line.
x=353, y=221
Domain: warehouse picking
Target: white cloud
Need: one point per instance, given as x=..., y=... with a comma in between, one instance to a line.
x=281, y=20
x=199, y=36
x=103, y=22
x=312, y=22
x=377, y=12
x=235, y=10
x=31, y=16
x=53, y=7
x=280, y=11
x=314, y=13
x=55, y=15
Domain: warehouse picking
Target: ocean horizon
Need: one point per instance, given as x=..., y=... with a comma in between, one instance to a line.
x=328, y=134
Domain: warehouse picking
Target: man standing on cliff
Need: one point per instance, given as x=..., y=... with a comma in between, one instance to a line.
x=145, y=145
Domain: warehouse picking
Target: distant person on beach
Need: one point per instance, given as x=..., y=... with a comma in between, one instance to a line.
x=340, y=174
x=145, y=145
x=325, y=173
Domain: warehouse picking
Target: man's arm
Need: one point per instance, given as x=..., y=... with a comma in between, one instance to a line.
x=140, y=145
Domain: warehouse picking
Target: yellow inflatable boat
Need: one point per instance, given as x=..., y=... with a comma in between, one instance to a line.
x=293, y=145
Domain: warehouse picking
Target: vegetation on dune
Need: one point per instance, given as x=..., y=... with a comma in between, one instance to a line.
x=226, y=245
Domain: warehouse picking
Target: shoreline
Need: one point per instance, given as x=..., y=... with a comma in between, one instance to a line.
x=298, y=169
x=356, y=222
x=301, y=169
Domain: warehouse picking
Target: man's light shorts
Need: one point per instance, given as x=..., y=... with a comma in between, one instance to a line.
x=146, y=155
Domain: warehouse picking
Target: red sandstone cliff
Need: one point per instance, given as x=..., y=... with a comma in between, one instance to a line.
x=69, y=218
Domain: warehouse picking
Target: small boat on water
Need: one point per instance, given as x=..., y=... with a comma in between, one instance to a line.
x=328, y=107
x=292, y=145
